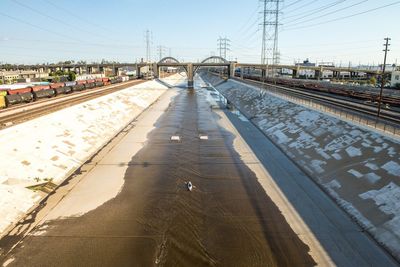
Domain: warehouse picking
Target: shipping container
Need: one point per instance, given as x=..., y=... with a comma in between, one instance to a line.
x=20, y=91
x=80, y=82
x=91, y=81
x=105, y=80
x=2, y=101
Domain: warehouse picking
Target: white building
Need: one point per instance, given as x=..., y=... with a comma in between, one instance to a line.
x=26, y=75
x=395, y=77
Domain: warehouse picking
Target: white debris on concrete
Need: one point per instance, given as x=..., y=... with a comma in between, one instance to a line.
x=332, y=151
x=52, y=147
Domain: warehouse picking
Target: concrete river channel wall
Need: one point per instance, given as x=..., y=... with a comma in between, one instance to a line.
x=52, y=147
x=357, y=166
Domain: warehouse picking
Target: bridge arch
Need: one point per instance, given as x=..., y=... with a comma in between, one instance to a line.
x=212, y=59
x=168, y=59
x=215, y=59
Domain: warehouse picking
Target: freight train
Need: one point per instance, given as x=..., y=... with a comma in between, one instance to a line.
x=369, y=95
x=28, y=94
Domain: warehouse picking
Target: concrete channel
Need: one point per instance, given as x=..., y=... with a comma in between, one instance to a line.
x=250, y=205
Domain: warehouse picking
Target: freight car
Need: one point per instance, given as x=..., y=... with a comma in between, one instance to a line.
x=370, y=94
x=28, y=94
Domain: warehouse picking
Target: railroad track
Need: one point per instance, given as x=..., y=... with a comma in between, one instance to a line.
x=390, y=116
x=41, y=108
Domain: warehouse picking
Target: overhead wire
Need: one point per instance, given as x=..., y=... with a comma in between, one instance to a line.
x=75, y=16
x=291, y=4
x=300, y=7
x=56, y=19
x=39, y=27
x=316, y=10
x=344, y=17
x=326, y=14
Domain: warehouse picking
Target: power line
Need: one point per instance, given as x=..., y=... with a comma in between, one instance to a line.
x=316, y=10
x=344, y=17
x=248, y=20
x=326, y=14
x=76, y=16
x=300, y=7
x=55, y=19
x=295, y=2
x=38, y=27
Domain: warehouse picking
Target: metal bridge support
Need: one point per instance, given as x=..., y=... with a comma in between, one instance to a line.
x=190, y=75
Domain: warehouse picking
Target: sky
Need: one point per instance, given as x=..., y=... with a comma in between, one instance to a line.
x=338, y=31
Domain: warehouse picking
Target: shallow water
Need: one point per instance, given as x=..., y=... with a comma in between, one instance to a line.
x=227, y=220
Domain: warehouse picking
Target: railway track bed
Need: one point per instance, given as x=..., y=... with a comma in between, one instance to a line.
x=21, y=113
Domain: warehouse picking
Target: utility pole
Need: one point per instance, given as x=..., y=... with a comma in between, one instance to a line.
x=223, y=45
x=387, y=39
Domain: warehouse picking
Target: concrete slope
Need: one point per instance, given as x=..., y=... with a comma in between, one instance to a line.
x=358, y=167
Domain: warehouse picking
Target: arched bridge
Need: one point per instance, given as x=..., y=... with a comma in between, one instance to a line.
x=192, y=68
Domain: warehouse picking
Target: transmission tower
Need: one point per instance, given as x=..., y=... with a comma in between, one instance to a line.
x=223, y=45
x=161, y=50
x=148, y=38
x=270, y=30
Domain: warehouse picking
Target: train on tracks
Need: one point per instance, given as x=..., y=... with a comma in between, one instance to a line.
x=32, y=93
x=368, y=95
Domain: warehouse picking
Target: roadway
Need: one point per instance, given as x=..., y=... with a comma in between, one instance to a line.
x=251, y=206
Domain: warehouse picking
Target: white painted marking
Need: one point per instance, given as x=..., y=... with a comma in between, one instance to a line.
x=175, y=138
x=203, y=137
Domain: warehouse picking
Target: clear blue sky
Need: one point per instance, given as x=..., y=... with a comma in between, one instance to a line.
x=114, y=30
